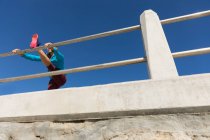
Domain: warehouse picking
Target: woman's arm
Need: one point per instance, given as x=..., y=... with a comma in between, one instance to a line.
x=31, y=57
x=27, y=56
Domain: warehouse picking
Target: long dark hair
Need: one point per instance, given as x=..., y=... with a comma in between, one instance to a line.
x=50, y=54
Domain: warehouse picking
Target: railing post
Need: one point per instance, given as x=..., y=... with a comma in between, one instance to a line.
x=159, y=58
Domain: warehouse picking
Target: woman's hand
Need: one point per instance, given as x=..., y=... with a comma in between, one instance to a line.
x=17, y=51
x=50, y=47
x=48, y=43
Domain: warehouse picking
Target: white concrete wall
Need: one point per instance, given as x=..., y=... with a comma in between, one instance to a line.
x=182, y=94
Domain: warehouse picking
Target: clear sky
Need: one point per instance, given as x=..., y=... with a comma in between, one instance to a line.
x=59, y=20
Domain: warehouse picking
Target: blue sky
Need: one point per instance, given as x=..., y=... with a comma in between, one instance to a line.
x=60, y=20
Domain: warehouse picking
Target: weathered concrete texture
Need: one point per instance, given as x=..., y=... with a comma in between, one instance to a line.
x=157, y=127
x=182, y=94
x=160, y=61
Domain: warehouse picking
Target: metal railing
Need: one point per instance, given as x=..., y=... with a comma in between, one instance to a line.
x=112, y=64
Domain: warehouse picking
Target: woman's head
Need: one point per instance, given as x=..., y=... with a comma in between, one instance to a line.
x=50, y=50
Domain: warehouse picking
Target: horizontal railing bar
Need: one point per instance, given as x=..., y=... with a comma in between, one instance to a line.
x=186, y=17
x=74, y=70
x=191, y=52
x=105, y=65
x=77, y=40
x=114, y=32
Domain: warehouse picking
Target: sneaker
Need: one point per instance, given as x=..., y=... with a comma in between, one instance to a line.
x=34, y=41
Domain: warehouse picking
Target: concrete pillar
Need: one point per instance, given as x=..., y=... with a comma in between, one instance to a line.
x=159, y=58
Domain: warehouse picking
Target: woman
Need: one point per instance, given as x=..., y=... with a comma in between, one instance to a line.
x=53, y=60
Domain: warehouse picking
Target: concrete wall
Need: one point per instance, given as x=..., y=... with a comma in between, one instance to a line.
x=150, y=127
x=181, y=94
